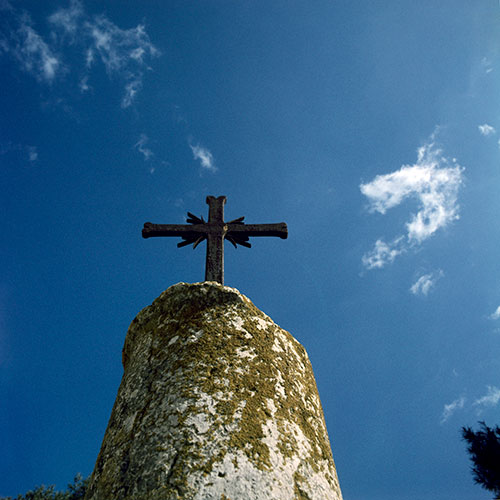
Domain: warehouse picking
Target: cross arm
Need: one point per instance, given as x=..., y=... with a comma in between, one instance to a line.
x=150, y=230
x=280, y=230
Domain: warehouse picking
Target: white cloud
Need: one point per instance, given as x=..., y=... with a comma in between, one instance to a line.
x=123, y=52
x=383, y=253
x=487, y=65
x=84, y=84
x=68, y=19
x=486, y=129
x=496, y=314
x=451, y=408
x=131, y=89
x=21, y=41
x=433, y=181
x=116, y=47
x=204, y=156
x=32, y=153
x=140, y=145
x=490, y=399
x=26, y=152
x=137, y=54
x=89, y=58
x=424, y=284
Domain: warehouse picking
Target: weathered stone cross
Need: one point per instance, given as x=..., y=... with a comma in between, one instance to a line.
x=214, y=231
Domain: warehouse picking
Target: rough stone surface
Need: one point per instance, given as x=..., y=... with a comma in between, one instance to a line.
x=216, y=402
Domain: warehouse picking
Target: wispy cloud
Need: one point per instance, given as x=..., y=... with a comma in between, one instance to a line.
x=486, y=129
x=492, y=397
x=496, y=314
x=69, y=19
x=487, y=65
x=20, y=40
x=451, y=408
x=83, y=85
x=425, y=283
x=28, y=153
x=489, y=400
x=32, y=153
x=131, y=89
x=433, y=181
x=140, y=145
x=123, y=52
x=204, y=156
x=383, y=253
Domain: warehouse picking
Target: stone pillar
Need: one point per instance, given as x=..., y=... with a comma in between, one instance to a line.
x=217, y=402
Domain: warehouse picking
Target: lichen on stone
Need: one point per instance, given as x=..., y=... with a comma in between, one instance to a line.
x=216, y=401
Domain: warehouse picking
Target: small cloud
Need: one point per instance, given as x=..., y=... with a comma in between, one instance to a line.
x=204, y=156
x=89, y=58
x=424, y=284
x=433, y=181
x=383, y=253
x=491, y=398
x=137, y=54
x=32, y=153
x=25, y=152
x=84, y=85
x=68, y=19
x=451, y=408
x=487, y=65
x=496, y=314
x=140, y=145
x=486, y=129
x=131, y=89
x=34, y=55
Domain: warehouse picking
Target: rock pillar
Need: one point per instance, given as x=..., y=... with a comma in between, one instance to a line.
x=217, y=402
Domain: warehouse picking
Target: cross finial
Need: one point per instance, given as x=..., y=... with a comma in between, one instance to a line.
x=215, y=231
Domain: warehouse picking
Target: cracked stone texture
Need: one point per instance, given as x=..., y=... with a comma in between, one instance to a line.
x=216, y=402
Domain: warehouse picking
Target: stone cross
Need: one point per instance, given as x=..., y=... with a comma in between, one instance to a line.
x=215, y=231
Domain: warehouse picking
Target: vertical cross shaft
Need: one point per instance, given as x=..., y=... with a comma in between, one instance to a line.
x=214, y=269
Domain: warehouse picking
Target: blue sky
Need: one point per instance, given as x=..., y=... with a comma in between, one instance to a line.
x=371, y=128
